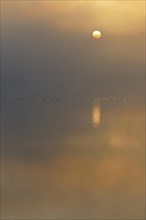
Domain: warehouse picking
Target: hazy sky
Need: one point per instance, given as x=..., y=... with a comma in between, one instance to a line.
x=48, y=45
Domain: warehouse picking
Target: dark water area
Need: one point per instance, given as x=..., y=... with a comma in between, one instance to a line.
x=73, y=157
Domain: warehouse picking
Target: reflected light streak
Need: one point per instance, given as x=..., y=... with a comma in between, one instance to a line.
x=96, y=114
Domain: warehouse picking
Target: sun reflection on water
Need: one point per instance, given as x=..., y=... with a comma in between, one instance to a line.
x=96, y=113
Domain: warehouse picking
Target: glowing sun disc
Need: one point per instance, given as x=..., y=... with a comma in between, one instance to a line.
x=96, y=34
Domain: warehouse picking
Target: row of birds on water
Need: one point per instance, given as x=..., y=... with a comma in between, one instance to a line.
x=62, y=98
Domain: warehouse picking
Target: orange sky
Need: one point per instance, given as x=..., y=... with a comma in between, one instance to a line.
x=115, y=17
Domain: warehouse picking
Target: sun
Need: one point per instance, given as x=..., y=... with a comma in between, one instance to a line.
x=96, y=34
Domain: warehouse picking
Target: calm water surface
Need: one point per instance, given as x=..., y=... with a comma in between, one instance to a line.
x=73, y=158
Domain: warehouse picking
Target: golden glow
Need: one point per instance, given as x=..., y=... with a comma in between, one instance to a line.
x=96, y=35
x=96, y=113
x=115, y=17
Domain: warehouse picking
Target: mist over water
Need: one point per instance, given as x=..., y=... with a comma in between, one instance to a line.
x=78, y=158
x=73, y=110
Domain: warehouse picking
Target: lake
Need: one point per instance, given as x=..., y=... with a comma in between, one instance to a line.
x=73, y=157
